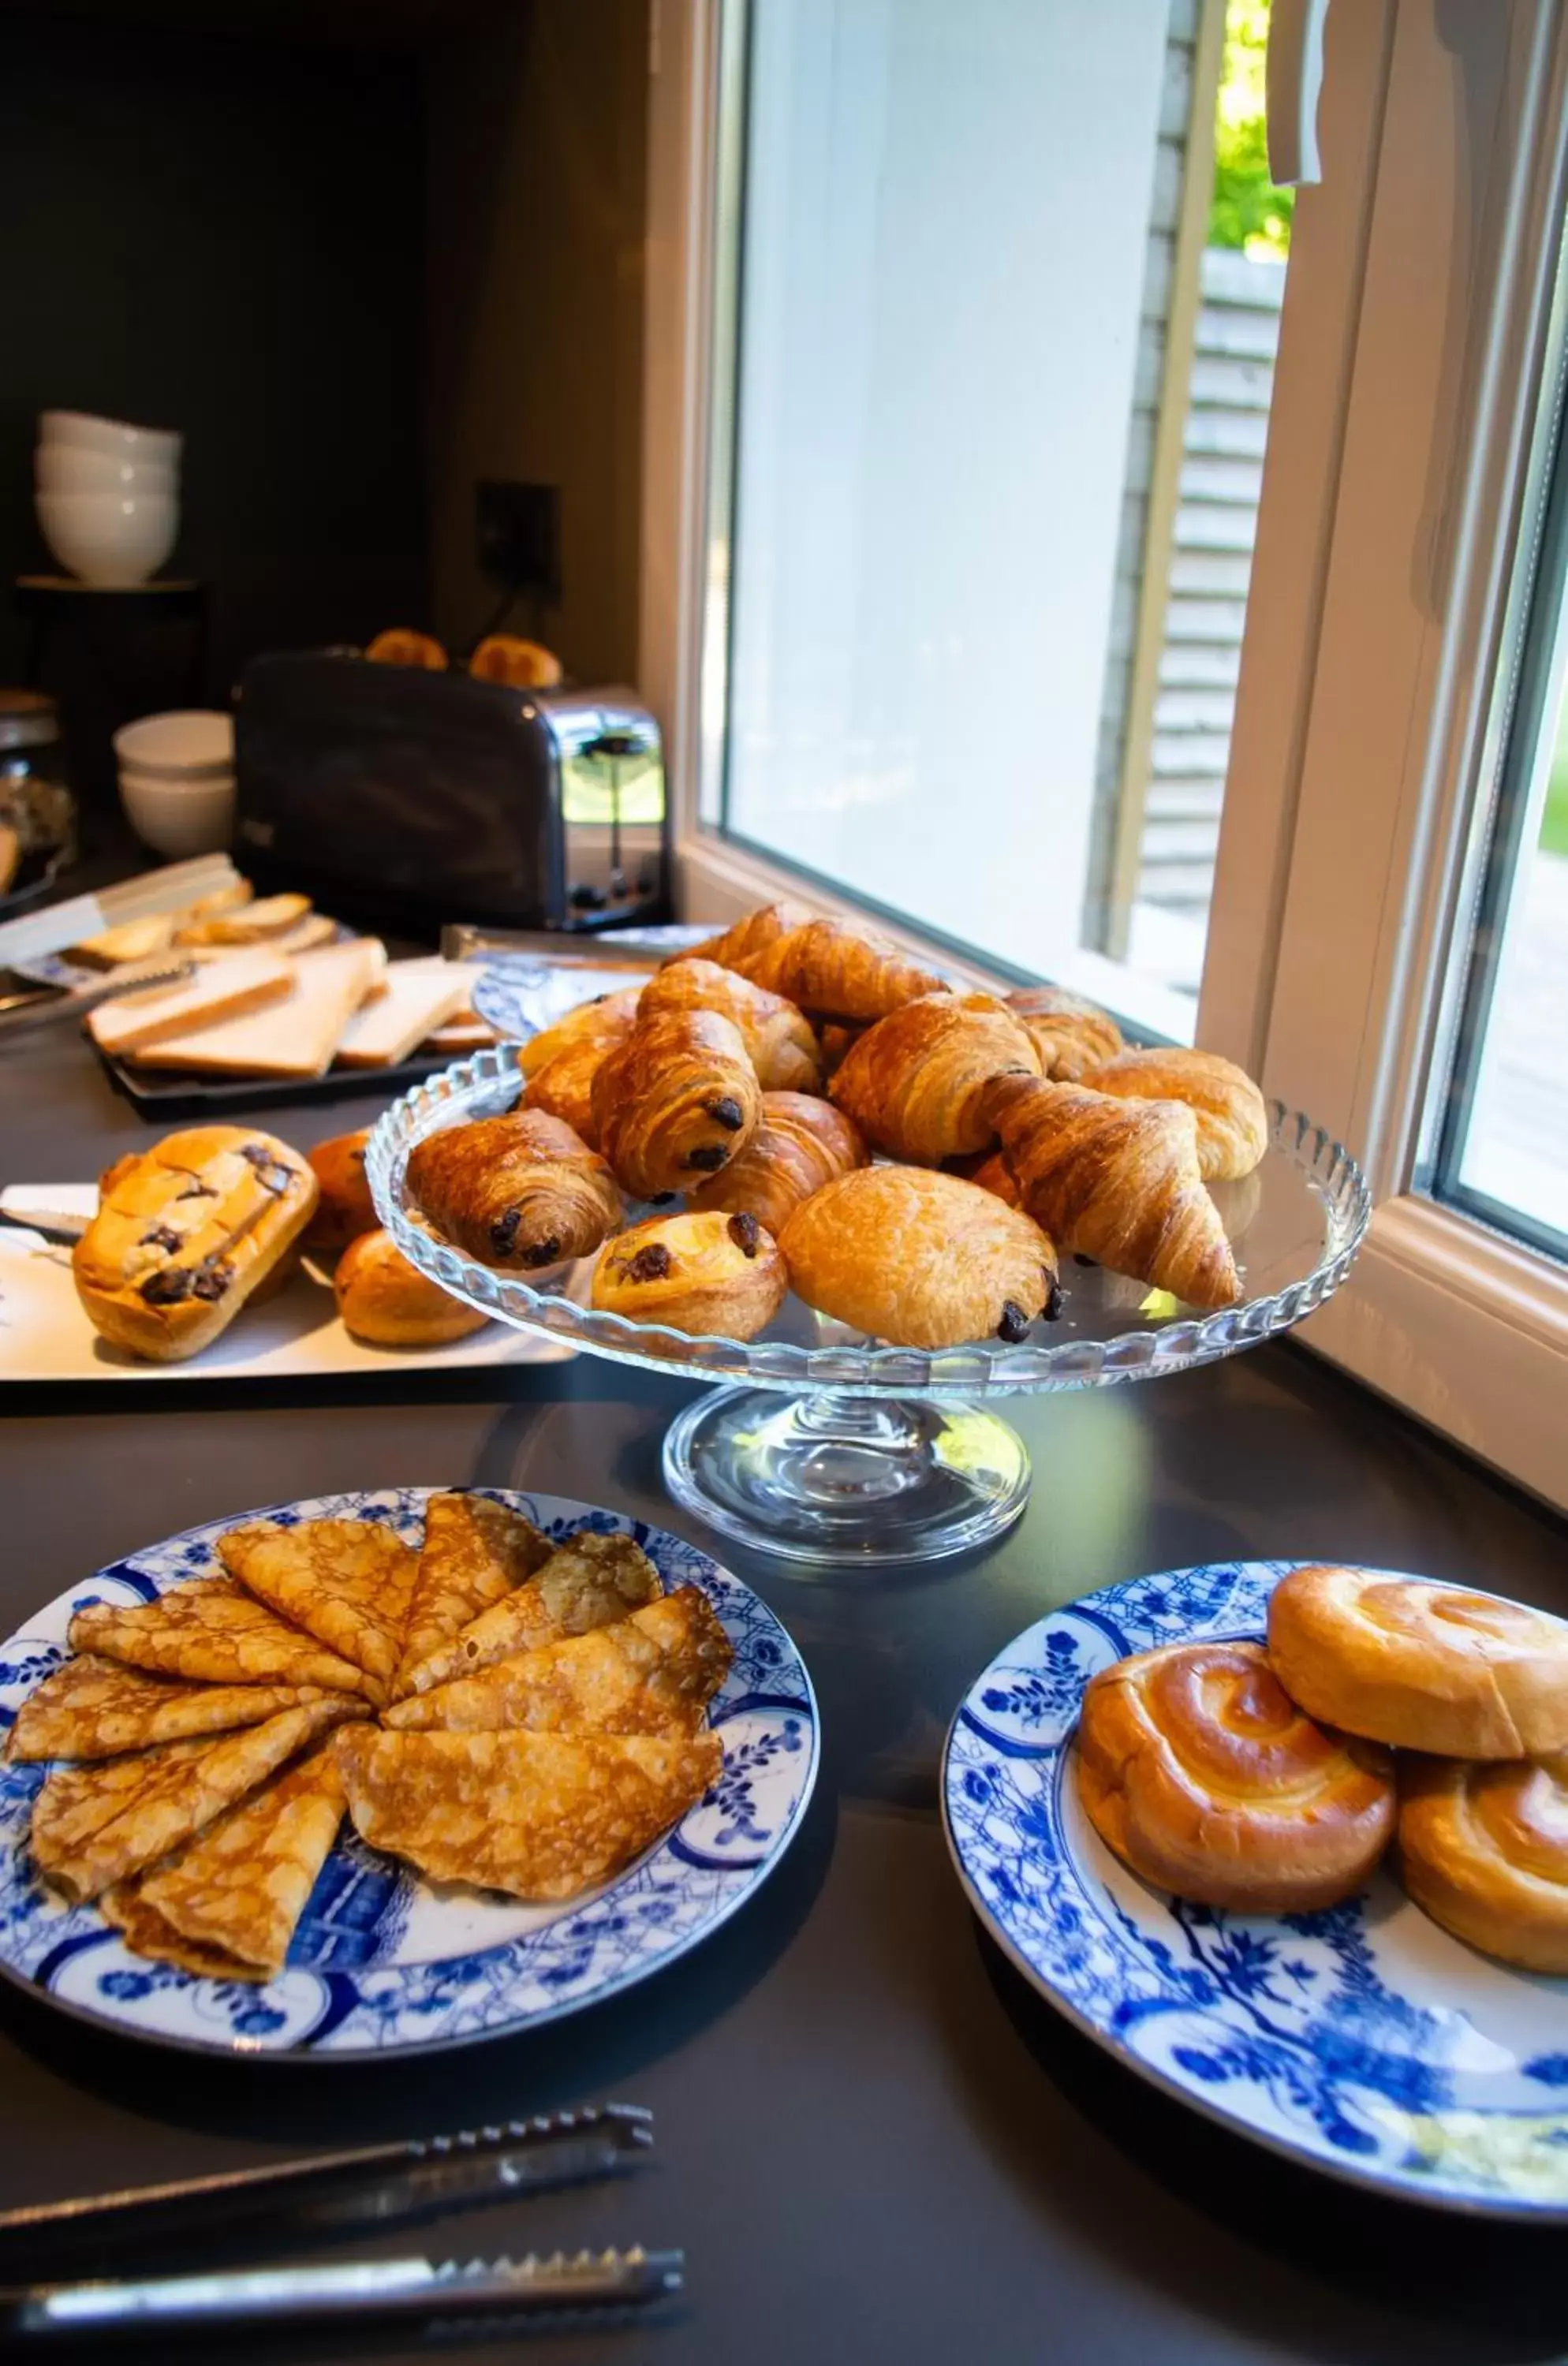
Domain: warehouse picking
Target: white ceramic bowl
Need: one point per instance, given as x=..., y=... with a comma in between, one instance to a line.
x=71, y=468
x=85, y=433
x=178, y=817
x=186, y=742
x=109, y=538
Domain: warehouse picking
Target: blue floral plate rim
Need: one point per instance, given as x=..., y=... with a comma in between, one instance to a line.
x=1383, y=2096
x=337, y=1999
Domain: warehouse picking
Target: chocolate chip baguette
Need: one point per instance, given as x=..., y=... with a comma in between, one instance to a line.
x=186, y=1234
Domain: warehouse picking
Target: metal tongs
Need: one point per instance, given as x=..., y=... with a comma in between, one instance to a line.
x=376, y=2184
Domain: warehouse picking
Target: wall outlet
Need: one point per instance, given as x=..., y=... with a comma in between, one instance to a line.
x=517, y=530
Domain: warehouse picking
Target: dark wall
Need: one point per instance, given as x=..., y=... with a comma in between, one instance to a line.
x=538, y=161
x=225, y=236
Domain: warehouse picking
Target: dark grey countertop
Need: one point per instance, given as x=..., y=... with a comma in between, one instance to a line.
x=875, y=2142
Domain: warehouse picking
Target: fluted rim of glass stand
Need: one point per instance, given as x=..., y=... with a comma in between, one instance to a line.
x=491, y=1082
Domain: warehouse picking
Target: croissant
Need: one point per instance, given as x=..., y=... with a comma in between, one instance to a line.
x=916, y=1083
x=711, y=1275
x=563, y=1088
x=519, y=1192
x=919, y=1258
x=778, y=1036
x=1070, y=1035
x=993, y=1174
x=608, y=1018
x=833, y=971
x=679, y=1098
x=801, y=1143
x=1232, y=1123
x=1117, y=1181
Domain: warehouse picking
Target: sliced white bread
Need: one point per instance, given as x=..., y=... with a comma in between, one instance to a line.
x=465, y=1033
x=314, y=929
x=219, y=993
x=294, y=1037
x=418, y=996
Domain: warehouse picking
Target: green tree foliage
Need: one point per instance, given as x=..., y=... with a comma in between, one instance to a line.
x=1247, y=210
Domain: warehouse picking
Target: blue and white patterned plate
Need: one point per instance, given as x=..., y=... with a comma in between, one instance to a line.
x=1362, y=2040
x=381, y=1963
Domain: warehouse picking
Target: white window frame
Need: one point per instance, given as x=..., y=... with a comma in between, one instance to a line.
x=1412, y=340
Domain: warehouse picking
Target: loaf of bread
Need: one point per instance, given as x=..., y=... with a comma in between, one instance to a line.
x=186, y=1234
x=385, y=1300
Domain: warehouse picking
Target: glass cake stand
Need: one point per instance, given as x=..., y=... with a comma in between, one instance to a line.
x=826, y=1446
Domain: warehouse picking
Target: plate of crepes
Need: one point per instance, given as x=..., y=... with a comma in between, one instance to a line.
x=1292, y=1841
x=850, y=1133
x=278, y=996
x=223, y=1250
x=383, y=1773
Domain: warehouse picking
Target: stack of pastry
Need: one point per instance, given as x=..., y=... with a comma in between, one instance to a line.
x=540, y=1718
x=909, y=1158
x=1274, y=1779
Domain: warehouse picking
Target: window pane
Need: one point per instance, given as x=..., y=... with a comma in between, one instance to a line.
x=1504, y=1152
x=999, y=407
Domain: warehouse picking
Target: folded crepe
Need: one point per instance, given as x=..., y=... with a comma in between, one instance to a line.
x=348, y=1582
x=475, y=1554
x=209, y=1632
x=92, y=1826
x=539, y=1815
x=653, y=1672
x=589, y=1582
x=94, y=1708
x=228, y=1903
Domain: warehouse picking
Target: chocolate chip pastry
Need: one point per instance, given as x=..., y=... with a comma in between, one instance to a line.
x=186, y=1234
x=520, y=1192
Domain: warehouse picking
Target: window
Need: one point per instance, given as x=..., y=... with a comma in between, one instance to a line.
x=1368, y=932
x=996, y=355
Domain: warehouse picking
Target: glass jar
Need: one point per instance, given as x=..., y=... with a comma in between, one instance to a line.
x=37, y=812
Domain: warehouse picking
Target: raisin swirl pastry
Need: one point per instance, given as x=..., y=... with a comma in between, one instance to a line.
x=518, y=1192
x=919, y=1258
x=1483, y=1850
x=801, y=1143
x=1422, y=1666
x=705, y=1274
x=1198, y=1770
x=678, y=1100
x=186, y=1234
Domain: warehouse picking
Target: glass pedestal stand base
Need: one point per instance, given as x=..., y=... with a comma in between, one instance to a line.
x=846, y=1480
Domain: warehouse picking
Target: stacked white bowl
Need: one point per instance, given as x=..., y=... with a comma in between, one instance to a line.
x=177, y=780
x=107, y=495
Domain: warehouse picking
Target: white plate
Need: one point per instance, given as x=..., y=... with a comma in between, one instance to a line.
x=381, y=1963
x=1362, y=2040
x=45, y=1336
